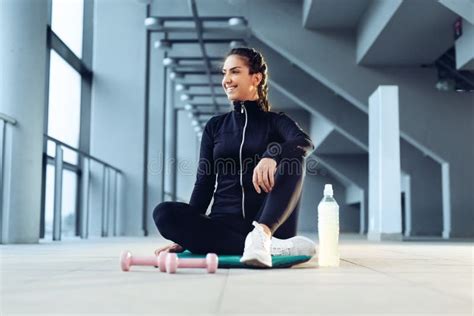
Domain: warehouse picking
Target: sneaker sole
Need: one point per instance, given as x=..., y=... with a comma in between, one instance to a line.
x=256, y=263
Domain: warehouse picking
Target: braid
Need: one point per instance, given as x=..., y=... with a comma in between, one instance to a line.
x=256, y=64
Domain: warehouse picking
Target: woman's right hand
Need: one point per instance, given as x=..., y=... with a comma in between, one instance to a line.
x=174, y=247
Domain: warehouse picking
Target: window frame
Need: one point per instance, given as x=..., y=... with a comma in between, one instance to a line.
x=84, y=67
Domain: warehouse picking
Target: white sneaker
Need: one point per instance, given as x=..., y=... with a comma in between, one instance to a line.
x=295, y=246
x=257, y=248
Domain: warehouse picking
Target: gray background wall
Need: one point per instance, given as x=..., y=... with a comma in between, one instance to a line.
x=324, y=64
x=117, y=117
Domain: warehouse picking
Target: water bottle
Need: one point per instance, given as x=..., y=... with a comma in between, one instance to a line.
x=328, y=229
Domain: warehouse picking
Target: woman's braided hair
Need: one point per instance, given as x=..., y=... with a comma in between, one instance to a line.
x=256, y=64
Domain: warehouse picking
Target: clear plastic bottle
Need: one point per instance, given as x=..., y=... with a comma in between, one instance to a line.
x=328, y=229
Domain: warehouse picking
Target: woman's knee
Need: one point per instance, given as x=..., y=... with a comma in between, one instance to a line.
x=163, y=212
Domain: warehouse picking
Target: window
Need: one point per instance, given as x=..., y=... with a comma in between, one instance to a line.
x=64, y=106
x=67, y=74
x=68, y=203
x=67, y=22
x=69, y=199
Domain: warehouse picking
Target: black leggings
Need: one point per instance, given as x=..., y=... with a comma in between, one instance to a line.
x=225, y=233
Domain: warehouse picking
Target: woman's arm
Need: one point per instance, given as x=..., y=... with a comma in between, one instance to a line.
x=296, y=142
x=206, y=177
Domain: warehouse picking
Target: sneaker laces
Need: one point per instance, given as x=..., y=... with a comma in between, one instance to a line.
x=294, y=246
x=262, y=237
x=281, y=247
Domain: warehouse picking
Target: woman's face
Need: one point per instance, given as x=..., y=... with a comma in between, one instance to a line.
x=238, y=84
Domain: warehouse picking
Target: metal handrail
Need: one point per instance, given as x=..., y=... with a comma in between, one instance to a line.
x=7, y=119
x=107, y=201
x=82, y=153
x=4, y=121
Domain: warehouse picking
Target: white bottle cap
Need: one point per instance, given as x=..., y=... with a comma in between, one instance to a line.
x=328, y=189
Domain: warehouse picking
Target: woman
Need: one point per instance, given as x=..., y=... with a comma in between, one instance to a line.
x=258, y=157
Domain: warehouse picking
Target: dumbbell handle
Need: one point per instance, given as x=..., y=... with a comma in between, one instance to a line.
x=210, y=263
x=192, y=263
x=145, y=261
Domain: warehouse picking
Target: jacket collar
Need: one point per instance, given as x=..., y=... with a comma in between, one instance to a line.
x=250, y=105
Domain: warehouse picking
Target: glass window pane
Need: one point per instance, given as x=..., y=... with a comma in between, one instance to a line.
x=64, y=111
x=69, y=204
x=67, y=23
x=49, y=203
x=68, y=209
x=51, y=148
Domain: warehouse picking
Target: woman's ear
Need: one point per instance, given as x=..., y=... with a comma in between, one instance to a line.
x=257, y=78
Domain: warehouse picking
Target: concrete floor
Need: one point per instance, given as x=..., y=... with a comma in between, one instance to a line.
x=77, y=277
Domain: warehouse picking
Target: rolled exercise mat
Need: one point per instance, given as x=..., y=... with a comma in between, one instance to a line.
x=230, y=261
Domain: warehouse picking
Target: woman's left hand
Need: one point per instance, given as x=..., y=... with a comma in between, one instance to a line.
x=263, y=175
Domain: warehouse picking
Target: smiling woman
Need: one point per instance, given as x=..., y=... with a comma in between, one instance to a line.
x=245, y=78
x=259, y=184
x=237, y=82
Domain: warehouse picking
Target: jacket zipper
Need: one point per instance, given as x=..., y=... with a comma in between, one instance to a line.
x=242, y=110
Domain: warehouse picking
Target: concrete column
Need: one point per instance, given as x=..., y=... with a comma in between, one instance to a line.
x=22, y=96
x=118, y=100
x=155, y=132
x=384, y=165
x=170, y=137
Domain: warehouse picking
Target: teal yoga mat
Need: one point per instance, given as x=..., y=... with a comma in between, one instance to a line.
x=226, y=261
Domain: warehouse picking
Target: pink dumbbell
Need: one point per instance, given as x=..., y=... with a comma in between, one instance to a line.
x=173, y=263
x=127, y=260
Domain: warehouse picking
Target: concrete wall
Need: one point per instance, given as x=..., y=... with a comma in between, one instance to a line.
x=117, y=114
x=155, y=131
x=426, y=178
x=22, y=94
x=331, y=60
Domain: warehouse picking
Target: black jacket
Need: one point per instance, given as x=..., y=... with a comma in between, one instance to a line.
x=236, y=141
